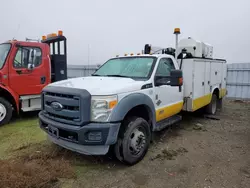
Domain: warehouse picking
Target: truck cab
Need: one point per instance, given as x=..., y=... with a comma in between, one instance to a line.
x=25, y=69
x=127, y=99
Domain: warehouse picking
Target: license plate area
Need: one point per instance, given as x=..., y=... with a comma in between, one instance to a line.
x=53, y=131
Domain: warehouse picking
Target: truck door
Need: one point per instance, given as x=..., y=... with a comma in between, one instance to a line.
x=23, y=80
x=168, y=99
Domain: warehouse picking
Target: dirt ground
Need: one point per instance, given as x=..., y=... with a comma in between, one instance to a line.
x=197, y=152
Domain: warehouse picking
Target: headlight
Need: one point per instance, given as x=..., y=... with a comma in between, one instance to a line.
x=101, y=107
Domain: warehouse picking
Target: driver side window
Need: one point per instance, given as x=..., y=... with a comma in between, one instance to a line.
x=27, y=55
x=164, y=68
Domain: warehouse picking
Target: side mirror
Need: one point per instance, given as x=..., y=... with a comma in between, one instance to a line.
x=31, y=63
x=30, y=66
x=176, y=78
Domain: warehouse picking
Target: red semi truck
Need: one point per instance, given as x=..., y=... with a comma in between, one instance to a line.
x=26, y=68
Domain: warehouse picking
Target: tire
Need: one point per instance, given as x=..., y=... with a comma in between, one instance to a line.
x=5, y=111
x=133, y=141
x=212, y=107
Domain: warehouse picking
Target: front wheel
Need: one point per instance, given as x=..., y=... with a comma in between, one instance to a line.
x=5, y=111
x=133, y=141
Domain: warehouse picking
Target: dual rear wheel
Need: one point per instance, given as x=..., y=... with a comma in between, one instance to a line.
x=212, y=107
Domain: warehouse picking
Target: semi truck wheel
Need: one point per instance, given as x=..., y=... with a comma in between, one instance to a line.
x=212, y=107
x=133, y=141
x=5, y=111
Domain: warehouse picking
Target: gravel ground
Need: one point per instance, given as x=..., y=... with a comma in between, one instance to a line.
x=198, y=152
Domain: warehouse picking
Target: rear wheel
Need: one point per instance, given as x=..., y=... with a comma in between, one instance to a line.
x=212, y=107
x=5, y=111
x=133, y=141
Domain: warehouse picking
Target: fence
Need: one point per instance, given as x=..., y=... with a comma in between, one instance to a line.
x=238, y=81
x=238, y=78
x=81, y=70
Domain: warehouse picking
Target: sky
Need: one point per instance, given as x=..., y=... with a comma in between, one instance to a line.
x=97, y=30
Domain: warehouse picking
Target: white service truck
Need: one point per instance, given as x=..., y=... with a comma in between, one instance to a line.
x=130, y=97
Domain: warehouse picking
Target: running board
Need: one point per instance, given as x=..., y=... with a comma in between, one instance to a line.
x=167, y=122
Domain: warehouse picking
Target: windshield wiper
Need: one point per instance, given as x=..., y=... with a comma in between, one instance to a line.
x=96, y=75
x=111, y=75
x=116, y=75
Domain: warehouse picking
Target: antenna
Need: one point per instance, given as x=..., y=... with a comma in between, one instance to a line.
x=88, y=54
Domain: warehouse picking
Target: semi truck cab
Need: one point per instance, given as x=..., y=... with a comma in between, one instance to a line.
x=25, y=69
x=130, y=97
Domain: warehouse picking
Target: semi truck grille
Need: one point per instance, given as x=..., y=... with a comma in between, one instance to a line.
x=62, y=107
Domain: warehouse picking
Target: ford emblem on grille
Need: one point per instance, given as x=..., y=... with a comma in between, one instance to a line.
x=56, y=106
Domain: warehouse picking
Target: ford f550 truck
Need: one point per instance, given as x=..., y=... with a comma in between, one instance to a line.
x=130, y=97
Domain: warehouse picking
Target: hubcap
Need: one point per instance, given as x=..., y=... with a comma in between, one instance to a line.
x=3, y=112
x=137, y=142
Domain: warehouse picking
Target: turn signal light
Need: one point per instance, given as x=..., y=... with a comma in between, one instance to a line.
x=112, y=104
x=180, y=81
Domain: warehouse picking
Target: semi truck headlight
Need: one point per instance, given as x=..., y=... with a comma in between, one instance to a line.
x=101, y=107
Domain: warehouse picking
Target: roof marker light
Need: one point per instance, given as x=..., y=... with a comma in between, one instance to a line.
x=43, y=37
x=51, y=35
x=60, y=33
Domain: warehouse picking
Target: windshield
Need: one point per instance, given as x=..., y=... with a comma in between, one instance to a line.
x=4, y=50
x=132, y=67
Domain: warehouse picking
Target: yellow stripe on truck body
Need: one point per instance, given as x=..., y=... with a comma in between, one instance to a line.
x=168, y=111
x=201, y=102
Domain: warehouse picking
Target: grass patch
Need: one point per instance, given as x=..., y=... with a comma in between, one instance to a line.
x=170, y=154
x=19, y=136
x=38, y=169
x=28, y=159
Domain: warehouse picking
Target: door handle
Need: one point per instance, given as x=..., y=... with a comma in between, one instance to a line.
x=43, y=79
x=19, y=71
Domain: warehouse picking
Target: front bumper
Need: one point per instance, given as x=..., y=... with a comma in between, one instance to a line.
x=90, y=139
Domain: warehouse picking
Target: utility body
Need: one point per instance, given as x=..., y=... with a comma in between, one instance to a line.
x=130, y=97
x=25, y=69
